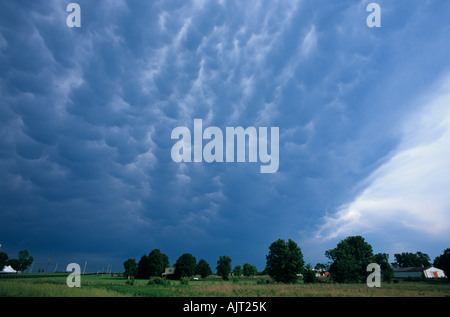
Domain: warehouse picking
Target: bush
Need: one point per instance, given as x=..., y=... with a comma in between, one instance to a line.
x=158, y=281
x=184, y=280
x=262, y=281
x=130, y=281
x=309, y=276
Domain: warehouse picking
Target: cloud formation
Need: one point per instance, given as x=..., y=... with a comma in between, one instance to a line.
x=409, y=191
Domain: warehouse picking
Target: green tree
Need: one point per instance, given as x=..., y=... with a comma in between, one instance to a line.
x=284, y=261
x=443, y=262
x=309, y=275
x=3, y=259
x=408, y=259
x=157, y=262
x=224, y=267
x=249, y=270
x=203, y=268
x=24, y=260
x=143, y=269
x=130, y=267
x=14, y=263
x=350, y=259
x=387, y=272
x=322, y=267
x=185, y=266
x=237, y=271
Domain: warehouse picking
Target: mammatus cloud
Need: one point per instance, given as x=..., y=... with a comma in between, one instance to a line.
x=410, y=191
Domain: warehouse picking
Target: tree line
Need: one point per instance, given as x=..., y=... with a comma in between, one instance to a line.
x=285, y=263
x=22, y=262
x=156, y=262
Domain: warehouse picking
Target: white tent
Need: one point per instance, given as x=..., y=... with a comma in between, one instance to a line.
x=8, y=269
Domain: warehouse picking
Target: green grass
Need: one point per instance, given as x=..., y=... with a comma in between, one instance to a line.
x=50, y=287
x=106, y=286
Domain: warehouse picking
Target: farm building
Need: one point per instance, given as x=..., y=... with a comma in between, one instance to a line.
x=418, y=272
x=169, y=271
x=433, y=272
x=321, y=273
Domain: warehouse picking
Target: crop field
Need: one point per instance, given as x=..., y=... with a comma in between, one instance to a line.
x=112, y=286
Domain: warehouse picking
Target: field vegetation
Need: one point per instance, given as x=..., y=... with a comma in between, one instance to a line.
x=261, y=286
x=285, y=275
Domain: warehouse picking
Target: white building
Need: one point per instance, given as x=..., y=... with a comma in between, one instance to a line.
x=433, y=272
x=418, y=272
x=169, y=271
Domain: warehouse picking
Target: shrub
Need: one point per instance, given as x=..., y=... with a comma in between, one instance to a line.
x=262, y=281
x=130, y=281
x=158, y=281
x=309, y=276
x=184, y=280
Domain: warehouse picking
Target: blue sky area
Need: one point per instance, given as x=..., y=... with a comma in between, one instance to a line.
x=86, y=116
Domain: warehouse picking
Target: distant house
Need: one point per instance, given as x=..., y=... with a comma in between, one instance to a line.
x=418, y=272
x=169, y=271
x=321, y=273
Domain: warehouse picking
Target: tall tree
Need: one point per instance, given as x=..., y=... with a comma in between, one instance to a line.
x=24, y=259
x=284, y=261
x=309, y=275
x=408, y=259
x=322, y=267
x=224, y=267
x=143, y=269
x=249, y=270
x=203, y=268
x=387, y=272
x=185, y=266
x=350, y=259
x=237, y=271
x=157, y=262
x=443, y=262
x=3, y=259
x=14, y=263
x=130, y=267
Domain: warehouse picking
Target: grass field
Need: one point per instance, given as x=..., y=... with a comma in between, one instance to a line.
x=107, y=286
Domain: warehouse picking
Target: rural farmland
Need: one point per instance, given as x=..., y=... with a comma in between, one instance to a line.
x=118, y=286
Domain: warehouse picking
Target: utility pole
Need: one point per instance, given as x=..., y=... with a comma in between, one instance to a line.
x=48, y=263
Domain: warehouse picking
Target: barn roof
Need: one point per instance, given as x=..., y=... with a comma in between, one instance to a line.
x=414, y=269
x=411, y=269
